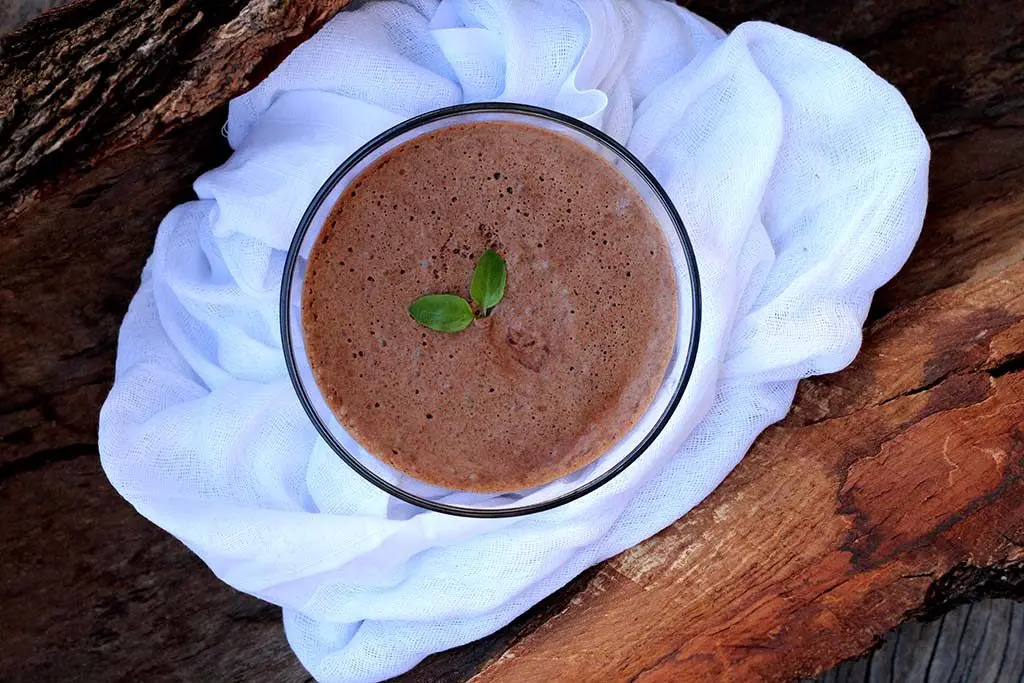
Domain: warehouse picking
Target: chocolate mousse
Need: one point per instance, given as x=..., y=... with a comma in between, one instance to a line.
x=556, y=373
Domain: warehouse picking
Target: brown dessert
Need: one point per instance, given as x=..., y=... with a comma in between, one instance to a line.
x=560, y=370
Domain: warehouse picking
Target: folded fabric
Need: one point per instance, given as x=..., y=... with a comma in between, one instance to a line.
x=800, y=175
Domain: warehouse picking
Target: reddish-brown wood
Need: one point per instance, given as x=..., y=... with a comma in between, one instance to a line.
x=832, y=530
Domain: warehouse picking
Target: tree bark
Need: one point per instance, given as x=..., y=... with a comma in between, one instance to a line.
x=93, y=77
x=893, y=489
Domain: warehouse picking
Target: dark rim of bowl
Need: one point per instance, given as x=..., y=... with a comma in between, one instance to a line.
x=410, y=125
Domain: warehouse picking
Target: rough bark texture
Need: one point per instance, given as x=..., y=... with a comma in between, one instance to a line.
x=893, y=489
x=92, y=77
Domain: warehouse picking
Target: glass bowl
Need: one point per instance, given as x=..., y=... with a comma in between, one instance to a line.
x=575, y=484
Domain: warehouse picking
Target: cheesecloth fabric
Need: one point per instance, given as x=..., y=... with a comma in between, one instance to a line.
x=800, y=175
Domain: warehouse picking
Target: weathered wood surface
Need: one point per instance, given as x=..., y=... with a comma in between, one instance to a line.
x=894, y=486
x=975, y=643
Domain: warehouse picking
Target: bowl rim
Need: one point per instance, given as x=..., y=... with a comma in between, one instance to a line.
x=410, y=125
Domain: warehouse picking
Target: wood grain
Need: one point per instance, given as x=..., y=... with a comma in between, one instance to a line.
x=91, y=591
x=975, y=643
x=893, y=489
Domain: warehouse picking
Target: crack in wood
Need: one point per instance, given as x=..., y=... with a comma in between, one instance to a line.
x=45, y=458
x=965, y=583
x=1012, y=364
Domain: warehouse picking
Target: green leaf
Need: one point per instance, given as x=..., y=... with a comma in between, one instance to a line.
x=488, y=281
x=442, y=312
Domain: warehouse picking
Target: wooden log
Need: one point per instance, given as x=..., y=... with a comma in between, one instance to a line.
x=90, y=590
x=90, y=78
x=894, y=488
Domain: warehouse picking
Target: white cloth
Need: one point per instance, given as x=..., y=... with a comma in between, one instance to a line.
x=800, y=175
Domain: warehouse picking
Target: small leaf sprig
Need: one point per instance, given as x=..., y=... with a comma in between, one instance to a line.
x=451, y=313
x=489, y=279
